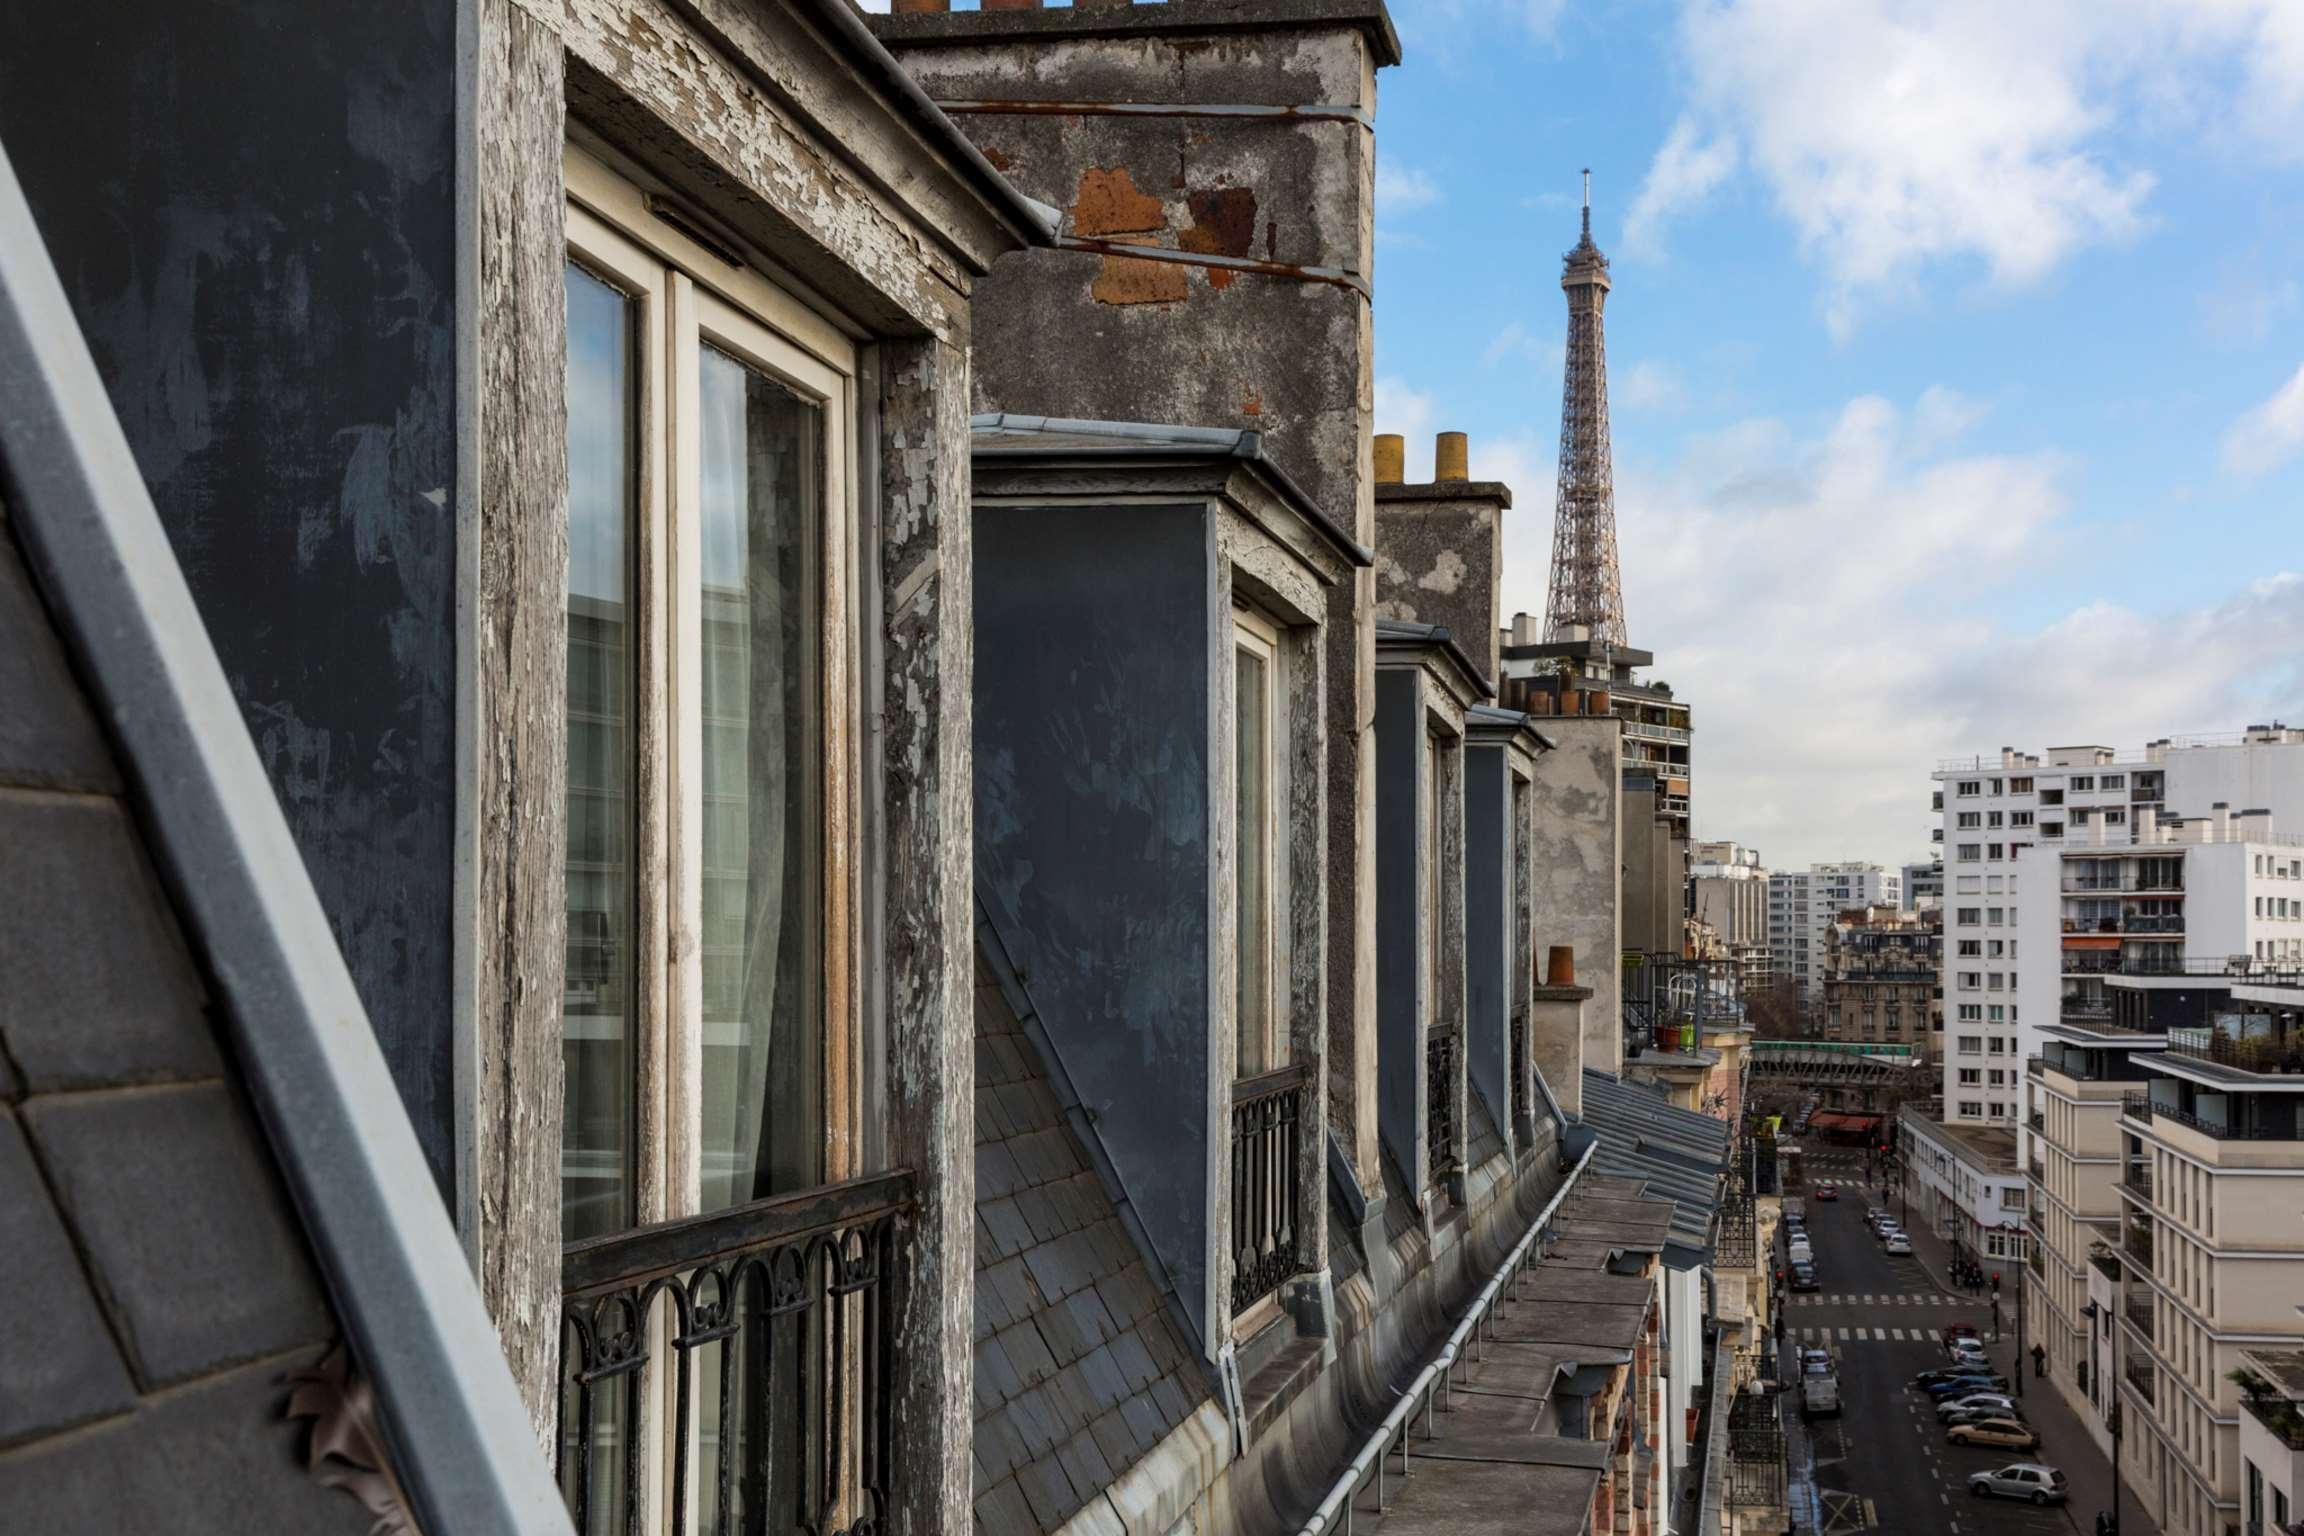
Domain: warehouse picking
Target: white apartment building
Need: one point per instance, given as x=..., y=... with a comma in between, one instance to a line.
x=1924, y=886
x=1997, y=810
x=1802, y=904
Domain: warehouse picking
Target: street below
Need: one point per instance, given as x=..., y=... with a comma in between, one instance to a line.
x=1883, y=1318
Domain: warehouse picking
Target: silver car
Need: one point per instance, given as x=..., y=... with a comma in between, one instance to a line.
x=2021, y=1480
x=1897, y=1246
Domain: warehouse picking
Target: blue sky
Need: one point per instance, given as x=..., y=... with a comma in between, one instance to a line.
x=1957, y=354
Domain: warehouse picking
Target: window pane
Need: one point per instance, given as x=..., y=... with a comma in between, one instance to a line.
x=597, y=1040
x=1253, y=1000
x=763, y=1069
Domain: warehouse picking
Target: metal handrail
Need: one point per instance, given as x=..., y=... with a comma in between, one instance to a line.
x=1368, y=1463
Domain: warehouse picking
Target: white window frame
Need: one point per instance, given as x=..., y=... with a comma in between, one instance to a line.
x=1259, y=636
x=688, y=296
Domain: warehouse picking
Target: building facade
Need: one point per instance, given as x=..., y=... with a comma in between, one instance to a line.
x=1803, y=902
x=1881, y=982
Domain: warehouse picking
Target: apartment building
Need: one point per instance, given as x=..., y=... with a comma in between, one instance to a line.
x=1802, y=903
x=1728, y=894
x=1122, y=1098
x=1995, y=810
x=1881, y=978
x=2212, y=1175
x=1924, y=885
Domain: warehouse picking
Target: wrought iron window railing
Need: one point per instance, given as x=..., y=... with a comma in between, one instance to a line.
x=733, y=1372
x=1519, y=1053
x=1269, y=1114
x=1755, y=1450
x=1440, y=1074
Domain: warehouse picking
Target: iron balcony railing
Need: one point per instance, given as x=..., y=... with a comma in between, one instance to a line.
x=733, y=1373
x=2136, y=1243
x=1440, y=1073
x=2260, y=1044
x=2138, y=1177
x=2138, y=1305
x=1269, y=1114
x=2144, y=1379
x=1520, y=1115
x=2137, y=1106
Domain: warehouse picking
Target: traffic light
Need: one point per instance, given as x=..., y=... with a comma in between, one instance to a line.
x=1995, y=1282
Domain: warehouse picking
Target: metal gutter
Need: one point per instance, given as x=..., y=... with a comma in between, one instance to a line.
x=1368, y=1464
x=462, y=1443
x=1034, y=221
x=1006, y=434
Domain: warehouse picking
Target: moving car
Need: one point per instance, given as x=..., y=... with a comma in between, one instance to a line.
x=2000, y=1403
x=2021, y=1480
x=1804, y=1277
x=1815, y=1362
x=1898, y=1245
x=1959, y=1373
x=1828, y=1192
x=2001, y=1432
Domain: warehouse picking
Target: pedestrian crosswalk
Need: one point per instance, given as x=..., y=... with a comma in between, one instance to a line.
x=1905, y=1299
x=1862, y=1335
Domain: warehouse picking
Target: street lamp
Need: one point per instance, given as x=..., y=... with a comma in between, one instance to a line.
x=2112, y=1422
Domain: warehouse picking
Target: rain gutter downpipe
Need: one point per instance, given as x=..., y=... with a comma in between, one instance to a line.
x=1369, y=1461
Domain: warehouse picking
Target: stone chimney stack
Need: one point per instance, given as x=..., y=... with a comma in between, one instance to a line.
x=1215, y=168
x=1440, y=550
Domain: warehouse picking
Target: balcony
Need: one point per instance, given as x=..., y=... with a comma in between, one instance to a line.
x=2037, y=1121
x=2106, y=1262
x=1641, y=730
x=2137, y=1106
x=2145, y=1379
x=2257, y=1043
x=2133, y=884
x=2283, y=1418
x=2136, y=1243
x=2138, y=1177
x=1441, y=1072
x=741, y=1361
x=2036, y=1169
x=1269, y=1114
x=2138, y=1306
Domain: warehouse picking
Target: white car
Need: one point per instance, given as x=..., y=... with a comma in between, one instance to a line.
x=2021, y=1480
x=1997, y=1402
x=1898, y=1245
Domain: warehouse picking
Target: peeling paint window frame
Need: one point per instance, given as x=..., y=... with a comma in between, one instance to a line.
x=1255, y=635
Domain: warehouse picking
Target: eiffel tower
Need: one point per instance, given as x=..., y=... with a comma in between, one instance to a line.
x=1586, y=600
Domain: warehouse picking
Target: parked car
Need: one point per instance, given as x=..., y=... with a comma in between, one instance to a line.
x=1965, y=1382
x=1970, y=1416
x=2004, y=1405
x=2006, y=1433
x=1898, y=1246
x=1804, y=1277
x=2021, y=1480
x=1828, y=1192
x=1952, y=1373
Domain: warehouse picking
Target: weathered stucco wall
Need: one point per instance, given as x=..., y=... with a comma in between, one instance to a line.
x=1578, y=881
x=1439, y=555
x=1285, y=348
x=252, y=210
x=1093, y=838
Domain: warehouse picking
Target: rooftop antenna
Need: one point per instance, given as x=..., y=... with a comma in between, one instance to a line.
x=1587, y=202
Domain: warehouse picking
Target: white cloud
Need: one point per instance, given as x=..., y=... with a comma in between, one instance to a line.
x=2269, y=434
x=1685, y=171
x=1647, y=386
x=1516, y=343
x=1899, y=135
x=1408, y=412
x=1403, y=189
x=1832, y=606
